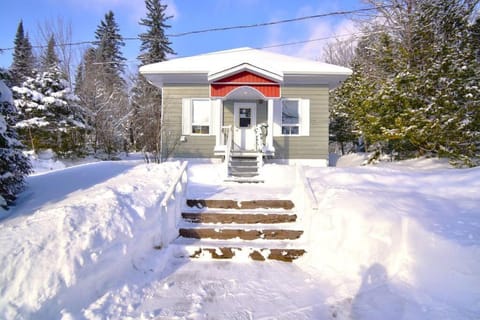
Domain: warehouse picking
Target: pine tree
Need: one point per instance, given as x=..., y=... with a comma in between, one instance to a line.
x=155, y=45
x=102, y=89
x=49, y=114
x=108, y=51
x=420, y=83
x=14, y=165
x=49, y=58
x=23, y=59
x=146, y=98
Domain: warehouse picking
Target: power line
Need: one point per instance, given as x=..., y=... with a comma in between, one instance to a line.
x=247, y=26
x=264, y=24
x=284, y=44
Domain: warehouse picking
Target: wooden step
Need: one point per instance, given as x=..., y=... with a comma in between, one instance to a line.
x=253, y=179
x=223, y=234
x=243, y=174
x=286, y=255
x=281, y=250
x=239, y=218
x=244, y=169
x=240, y=205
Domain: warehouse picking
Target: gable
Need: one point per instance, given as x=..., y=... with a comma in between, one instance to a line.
x=245, y=77
x=224, y=86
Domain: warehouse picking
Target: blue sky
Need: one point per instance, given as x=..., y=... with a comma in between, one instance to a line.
x=85, y=15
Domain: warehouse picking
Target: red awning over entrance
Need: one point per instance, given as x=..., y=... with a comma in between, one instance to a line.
x=223, y=87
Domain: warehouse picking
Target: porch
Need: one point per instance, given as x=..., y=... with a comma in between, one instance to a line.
x=246, y=124
x=245, y=137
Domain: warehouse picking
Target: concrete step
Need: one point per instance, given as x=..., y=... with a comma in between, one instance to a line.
x=244, y=234
x=239, y=218
x=239, y=204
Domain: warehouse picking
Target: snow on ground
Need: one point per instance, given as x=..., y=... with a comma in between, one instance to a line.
x=78, y=232
x=397, y=241
x=406, y=238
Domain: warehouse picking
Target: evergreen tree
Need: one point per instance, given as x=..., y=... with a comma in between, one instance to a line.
x=102, y=89
x=49, y=115
x=419, y=84
x=14, y=165
x=23, y=59
x=49, y=58
x=475, y=38
x=108, y=51
x=155, y=45
x=146, y=98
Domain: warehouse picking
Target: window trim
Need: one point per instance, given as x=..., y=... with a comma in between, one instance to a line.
x=298, y=125
x=207, y=124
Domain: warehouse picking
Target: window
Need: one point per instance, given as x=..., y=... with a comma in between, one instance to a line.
x=290, y=117
x=201, y=116
x=245, y=117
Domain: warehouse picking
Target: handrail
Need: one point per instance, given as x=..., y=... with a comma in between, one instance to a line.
x=173, y=186
x=228, y=147
x=171, y=207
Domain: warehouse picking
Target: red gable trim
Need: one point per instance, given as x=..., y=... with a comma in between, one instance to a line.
x=224, y=86
x=222, y=90
x=245, y=77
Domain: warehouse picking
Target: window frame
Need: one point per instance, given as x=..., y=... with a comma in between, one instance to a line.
x=207, y=124
x=297, y=125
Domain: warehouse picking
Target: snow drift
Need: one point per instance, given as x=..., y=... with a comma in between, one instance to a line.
x=77, y=232
x=392, y=242
x=414, y=233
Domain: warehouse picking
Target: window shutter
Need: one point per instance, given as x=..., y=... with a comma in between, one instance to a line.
x=304, y=106
x=277, y=118
x=215, y=104
x=186, y=116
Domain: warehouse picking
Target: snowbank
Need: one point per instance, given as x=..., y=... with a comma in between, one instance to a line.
x=78, y=232
x=401, y=243
x=398, y=241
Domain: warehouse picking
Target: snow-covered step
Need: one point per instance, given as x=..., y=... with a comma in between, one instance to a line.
x=255, y=250
x=224, y=228
x=238, y=218
x=244, y=234
x=240, y=205
x=254, y=179
x=232, y=226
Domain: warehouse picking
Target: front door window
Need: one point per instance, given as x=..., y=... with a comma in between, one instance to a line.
x=245, y=117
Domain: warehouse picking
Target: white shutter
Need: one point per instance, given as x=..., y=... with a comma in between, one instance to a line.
x=215, y=106
x=304, y=112
x=186, y=116
x=277, y=118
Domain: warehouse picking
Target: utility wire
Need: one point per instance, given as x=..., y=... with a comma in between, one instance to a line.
x=247, y=26
x=264, y=24
x=277, y=45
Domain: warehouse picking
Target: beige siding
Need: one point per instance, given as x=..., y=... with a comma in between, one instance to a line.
x=194, y=146
x=314, y=146
x=228, y=113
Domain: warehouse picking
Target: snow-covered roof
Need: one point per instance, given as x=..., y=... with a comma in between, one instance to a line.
x=207, y=67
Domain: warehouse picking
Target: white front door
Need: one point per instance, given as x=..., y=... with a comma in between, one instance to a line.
x=245, y=118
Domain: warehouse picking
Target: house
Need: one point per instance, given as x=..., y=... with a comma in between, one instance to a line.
x=245, y=102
